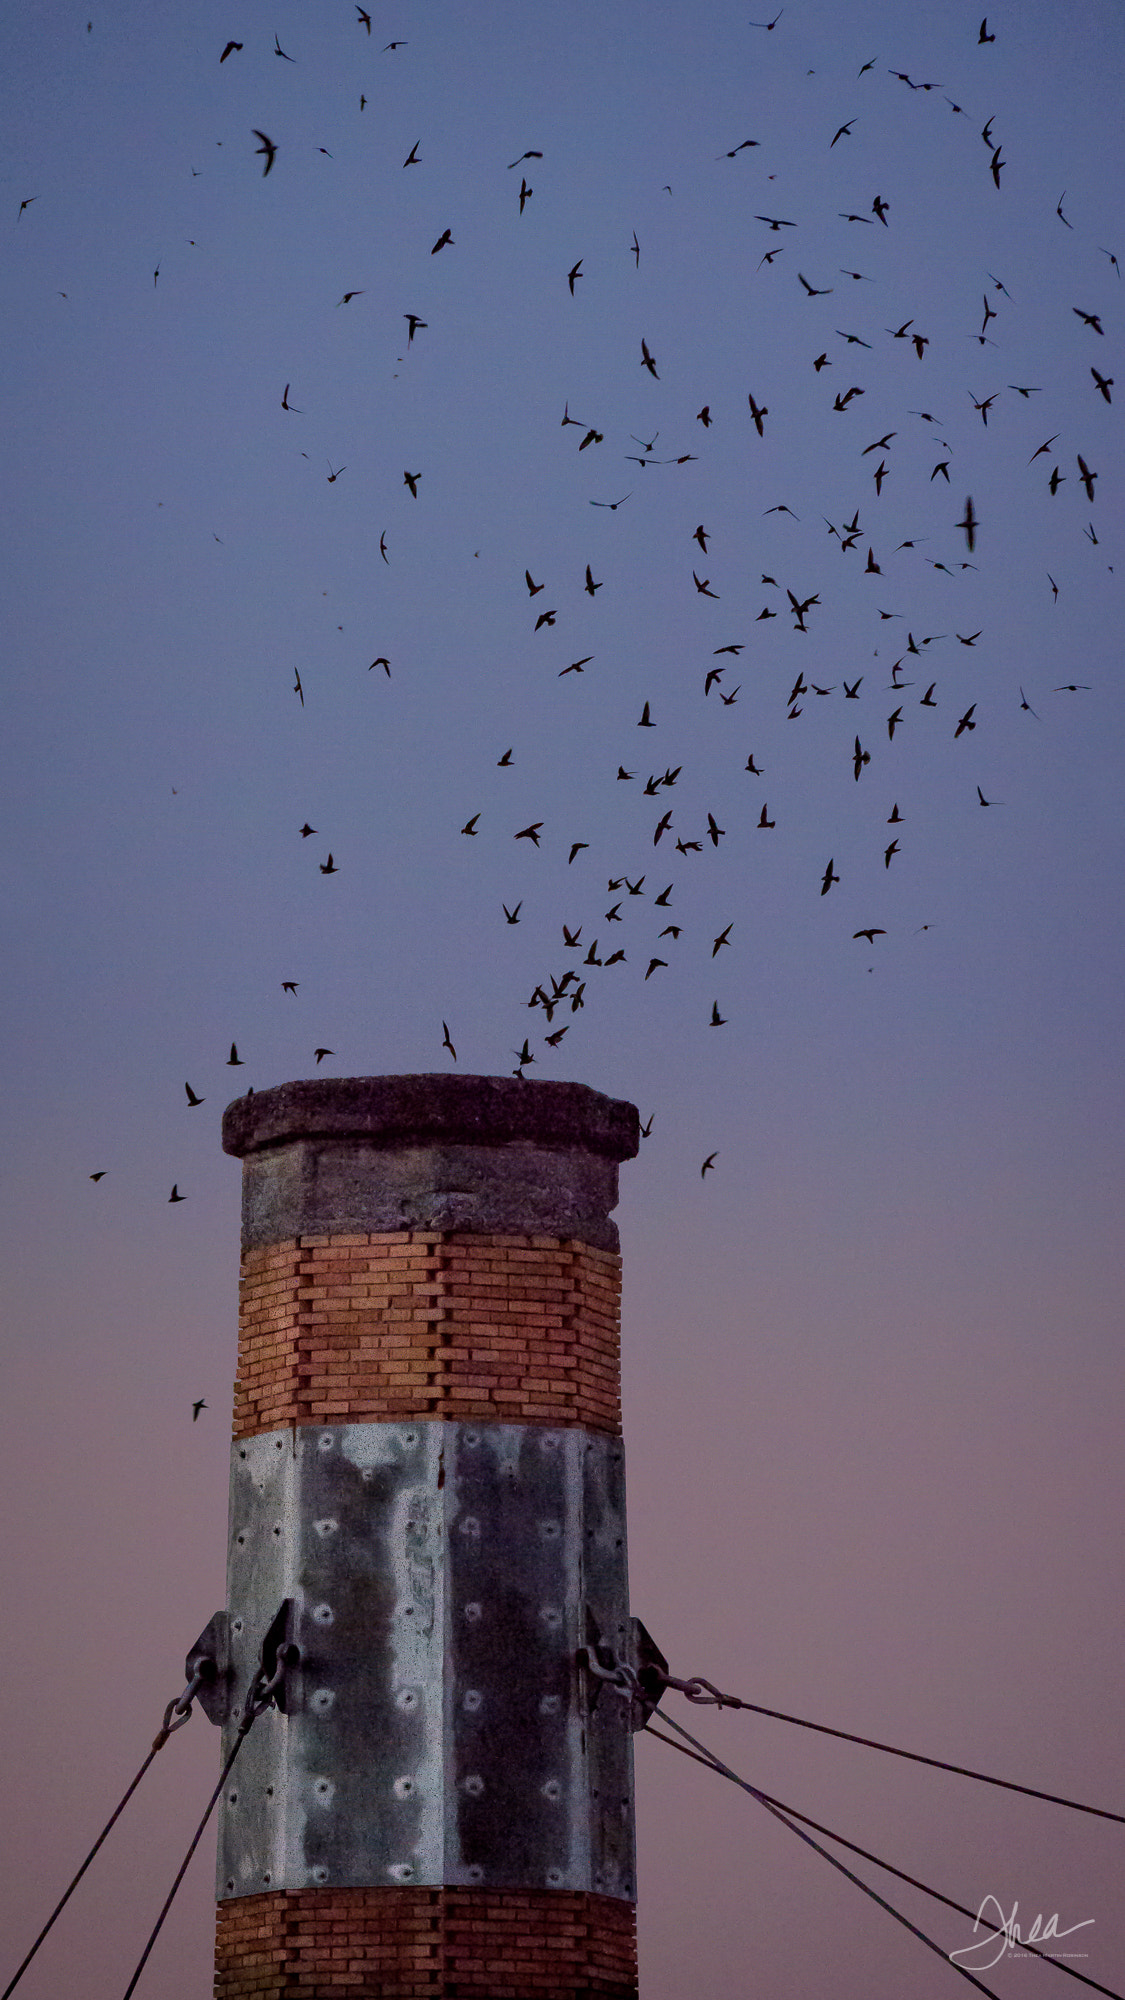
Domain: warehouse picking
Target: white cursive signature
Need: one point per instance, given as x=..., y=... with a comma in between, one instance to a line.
x=1006, y=1935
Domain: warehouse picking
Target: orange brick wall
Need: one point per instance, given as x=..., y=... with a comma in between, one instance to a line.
x=425, y=1944
x=366, y=1327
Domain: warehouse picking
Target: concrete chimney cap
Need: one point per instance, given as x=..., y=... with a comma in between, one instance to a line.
x=394, y=1111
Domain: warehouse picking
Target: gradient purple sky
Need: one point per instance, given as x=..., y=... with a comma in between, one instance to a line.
x=873, y=1363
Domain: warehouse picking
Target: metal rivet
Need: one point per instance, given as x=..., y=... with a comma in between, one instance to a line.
x=473, y=1785
x=368, y=1473
x=410, y=1437
x=277, y=1443
x=552, y=1789
x=469, y=1526
x=472, y=1700
x=554, y=1877
x=232, y=1798
x=269, y=1791
x=327, y=1527
x=403, y=1871
x=472, y=1614
x=320, y=1874
x=550, y=1704
x=237, y=1626
x=241, y=1540
x=325, y=1441
x=550, y=1530
x=324, y=1789
x=277, y=1529
x=476, y=1872
x=549, y=1441
x=267, y=1877
x=551, y=1617
x=230, y=1878
x=472, y=1439
x=407, y=1698
x=242, y=1454
x=323, y=1614
x=322, y=1700
x=403, y=1788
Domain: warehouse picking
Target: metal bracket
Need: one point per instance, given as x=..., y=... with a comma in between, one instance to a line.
x=641, y=1679
x=651, y=1670
x=280, y=1651
x=209, y=1663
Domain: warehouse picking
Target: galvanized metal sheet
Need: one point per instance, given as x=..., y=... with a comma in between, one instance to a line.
x=438, y=1729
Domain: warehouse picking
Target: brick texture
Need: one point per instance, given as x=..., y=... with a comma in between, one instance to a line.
x=367, y=1327
x=425, y=1944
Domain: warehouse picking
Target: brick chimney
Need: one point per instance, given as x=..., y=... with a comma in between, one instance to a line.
x=427, y=1465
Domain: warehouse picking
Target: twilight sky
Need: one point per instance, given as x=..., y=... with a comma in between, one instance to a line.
x=873, y=1363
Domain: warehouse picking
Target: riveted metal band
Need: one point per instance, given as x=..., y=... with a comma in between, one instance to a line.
x=437, y=1729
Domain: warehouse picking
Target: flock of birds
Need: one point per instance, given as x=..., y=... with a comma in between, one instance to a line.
x=840, y=376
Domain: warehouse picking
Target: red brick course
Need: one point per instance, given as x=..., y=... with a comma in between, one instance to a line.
x=366, y=1327
x=425, y=1944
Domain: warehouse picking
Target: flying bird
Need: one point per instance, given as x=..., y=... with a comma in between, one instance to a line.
x=830, y=876
x=445, y=237
x=572, y=275
x=191, y=1096
x=268, y=148
x=329, y=867
x=446, y=1043
x=230, y=49
x=175, y=1194
x=647, y=361
x=279, y=51
x=198, y=1405
x=411, y=479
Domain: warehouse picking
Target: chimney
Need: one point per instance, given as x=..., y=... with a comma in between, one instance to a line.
x=427, y=1474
